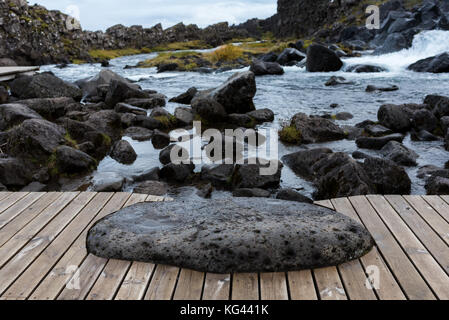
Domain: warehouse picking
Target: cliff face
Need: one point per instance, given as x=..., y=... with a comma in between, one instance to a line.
x=35, y=35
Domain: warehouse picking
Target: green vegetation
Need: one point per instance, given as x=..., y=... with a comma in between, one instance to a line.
x=112, y=54
x=289, y=134
x=177, y=46
x=168, y=122
x=70, y=141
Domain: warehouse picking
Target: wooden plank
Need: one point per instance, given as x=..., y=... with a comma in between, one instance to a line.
x=4, y=194
x=18, y=207
x=99, y=265
x=136, y=281
x=7, y=71
x=387, y=287
x=329, y=285
x=29, y=214
x=163, y=283
x=441, y=206
x=33, y=249
x=25, y=284
x=425, y=210
x=190, y=285
x=245, y=286
x=217, y=287
x=445, y=198
x=302, y=286
x=10, y=200
x=109, y=280
x=405, y=272
x=273, y=286
x=67, y=266
x=325, y=203
x=424, y=247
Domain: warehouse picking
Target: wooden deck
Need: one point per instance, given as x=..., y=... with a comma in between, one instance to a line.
x=10, y=73
x=43, y=255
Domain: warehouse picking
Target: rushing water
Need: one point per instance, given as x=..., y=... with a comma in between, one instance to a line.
x=300, y=91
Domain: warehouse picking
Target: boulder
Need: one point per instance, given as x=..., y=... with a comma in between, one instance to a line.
x=387, y=177
x=14, y=114
x=186, y=97
x=364, y=68
x=424, y=120
x=52, y=108
x=394, y=42
x=220, y=175
x=35, y=139
x=184, y=116
x=438, y=104
x=123, y=152
x=108, y=182
x=377, y=130
x=262, y=115
x=241, y=120
x=251, y=193
x=160, y=139
x=278, y=236
x=423, y=135
x=165, y=154
x=338, y=175
x=261, y=68
x=138, y=133
x=209, y=109
x=154, y=100
x=154, y=188
x=377, y=143
x=302, y=162
x=43, y=85
x=14, y=173
x=396, y=117
x=400, y=154
x=269, y=57
x=120, y=91
x=317, y=129
x=437, y=185
x=146, y=175
x=177, y=172
x=436, y=64
x=336, y=81
x=290, y=56
x=72, y=161
x=104, y=77
x=107, y=122
x=322, y=59
x=292, y=195
x=127, y=108
x=252, y=175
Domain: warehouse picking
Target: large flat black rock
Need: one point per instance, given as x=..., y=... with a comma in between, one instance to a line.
x=230, y=235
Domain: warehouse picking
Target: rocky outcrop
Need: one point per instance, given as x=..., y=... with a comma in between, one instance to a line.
x=437, y=64
x=278, y=235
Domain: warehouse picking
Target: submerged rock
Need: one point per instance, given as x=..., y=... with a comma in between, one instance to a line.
x=230, y=235
x=378, y=143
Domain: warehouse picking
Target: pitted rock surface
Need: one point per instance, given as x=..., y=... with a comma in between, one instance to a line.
x=230, y=235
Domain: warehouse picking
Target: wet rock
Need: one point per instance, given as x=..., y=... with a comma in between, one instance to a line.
x=338, y=175
x=322, y=59
x=167, y=67
x=336, y=81
x=352, y=133
x=252, y=175
x=426, y=172
x=290, y=57
x=138, y=133
x=378, y=143
x=120, y=91
x=14, y=173
x=400, y=154
x=279, y=236
x=438, y=185
x=107, y=122
x=344, y=116
x=52, y=108
x=154, y=100
x=316, y=129
x=360, y=155
x=186, y=97
x=292, y=195
x=35, y=139
x=103, y=78
x=220, y=175
x=261, y=68
x=108, y=182
x=394, y=42
x=14, y=114
x=387, y=177
x=151, y=174
x=123, y=152
x=423, y=135
x=177, y=172
x=159, y=112
x=147, y=122
x=209, y=109
x=43, y=85
x=184, y=116
x=377, y=130
x=372, y=88
x=436, y=64
x=155, y=188
x=444, y=121
x=438, y=104
x=396, y=117
x=251, y=193
x=302, y=162
x=262, y=115
x=241, y=120
x=160, y=139
x=424, y=120
x=365, y=68
x=34, y=187
x=72, y=161
x=127, y=108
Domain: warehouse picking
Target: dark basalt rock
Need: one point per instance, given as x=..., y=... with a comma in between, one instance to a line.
x=261, y=68
x=378, y=143
x=317, y=129
x=123, y=152
x=251, y=193
x=184, y=116
x=292, y=195
x=14, y=114
x=400, y=154
x=365, y=68
x=290, y=56
x=230, y=235
x=73, y=161
x=437, y=64
x=336, y=81
x=371, y=88
x=186, y=97
x=138, y=133
x=322, y=59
